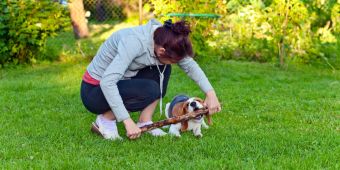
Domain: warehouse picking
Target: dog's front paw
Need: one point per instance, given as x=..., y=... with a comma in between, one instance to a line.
x=199, y=135
x=197, y=132
x=175, y=130
x=175, y=133
x=204, y=125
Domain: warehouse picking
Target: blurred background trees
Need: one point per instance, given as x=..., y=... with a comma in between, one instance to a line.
x=279, y=31
x=285, y=31
x=25, y=27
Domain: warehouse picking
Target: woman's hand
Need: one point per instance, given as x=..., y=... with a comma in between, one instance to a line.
x=132, y=130
x=211, y=101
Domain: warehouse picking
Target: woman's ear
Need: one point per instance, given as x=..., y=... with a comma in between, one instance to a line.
x=162, y=50
x=159, y=50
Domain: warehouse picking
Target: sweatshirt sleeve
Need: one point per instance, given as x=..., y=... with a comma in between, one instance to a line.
x=128, y=49
x=193, y=70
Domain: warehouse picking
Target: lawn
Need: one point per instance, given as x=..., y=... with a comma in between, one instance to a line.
x=272, y=118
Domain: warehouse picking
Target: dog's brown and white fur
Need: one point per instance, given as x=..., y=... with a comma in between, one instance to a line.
x=183, y=108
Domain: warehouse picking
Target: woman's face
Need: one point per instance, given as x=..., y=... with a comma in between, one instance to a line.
x=162, y=57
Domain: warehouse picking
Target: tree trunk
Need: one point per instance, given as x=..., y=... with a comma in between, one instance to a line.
x=78, y=19
x=174, y=120
x=282, y=52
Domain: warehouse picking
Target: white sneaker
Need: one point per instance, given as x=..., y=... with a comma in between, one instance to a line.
x=106, y=128
x=154, y=132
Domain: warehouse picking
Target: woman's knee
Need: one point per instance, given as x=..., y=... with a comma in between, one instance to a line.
x=93, y=99
x=153, y=90
x=139, y=89
x=144, y=96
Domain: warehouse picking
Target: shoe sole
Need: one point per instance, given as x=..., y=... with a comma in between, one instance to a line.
x=95, y=129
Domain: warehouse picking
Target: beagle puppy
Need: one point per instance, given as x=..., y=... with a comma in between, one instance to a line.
x=182, y=105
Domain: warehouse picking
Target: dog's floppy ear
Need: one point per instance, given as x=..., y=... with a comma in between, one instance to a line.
x=180, y=109
x=208, y=116
x=209, y=119
x=184, y=126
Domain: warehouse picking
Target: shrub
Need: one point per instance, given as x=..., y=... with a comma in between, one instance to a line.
x=202, y=28
x=25, y=26
x=295, y=31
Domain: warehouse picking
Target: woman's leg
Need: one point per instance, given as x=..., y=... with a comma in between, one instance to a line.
x=94, y=101
x=144, y=98
x=147, y=113
x=109, y=115
x=145, y=118
x=152, y=73
x=137, y=93
x=141, y=93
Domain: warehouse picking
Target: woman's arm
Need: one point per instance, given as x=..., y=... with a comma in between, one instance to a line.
x=211, y=101
x=128, y=49
x=193, y=70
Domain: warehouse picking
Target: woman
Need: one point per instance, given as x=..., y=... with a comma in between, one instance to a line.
x=130, y=72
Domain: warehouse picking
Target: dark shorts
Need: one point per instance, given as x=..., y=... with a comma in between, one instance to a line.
x=137, y=92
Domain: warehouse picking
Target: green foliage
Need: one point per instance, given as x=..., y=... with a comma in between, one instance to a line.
x=25, y=26
x=320, y=10
x=258, y=30
x=296, y=31
x=202, y=27
x=336, y=17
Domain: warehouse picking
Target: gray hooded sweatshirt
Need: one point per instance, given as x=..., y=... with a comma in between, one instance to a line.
x=123, y=54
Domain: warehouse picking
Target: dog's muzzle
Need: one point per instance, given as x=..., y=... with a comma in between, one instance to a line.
x=199, y=117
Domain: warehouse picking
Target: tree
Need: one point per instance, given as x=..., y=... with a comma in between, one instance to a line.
x=25, y=27
x=78, y=19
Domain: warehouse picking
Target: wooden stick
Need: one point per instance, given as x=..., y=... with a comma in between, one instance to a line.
x=174, y=120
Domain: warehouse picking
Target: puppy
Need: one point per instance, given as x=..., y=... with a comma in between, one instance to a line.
x=182, y=105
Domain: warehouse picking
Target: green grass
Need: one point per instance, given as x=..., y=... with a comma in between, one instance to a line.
x=271, y=119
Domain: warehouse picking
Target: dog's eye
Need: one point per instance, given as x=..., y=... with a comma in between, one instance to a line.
x=193, y=104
